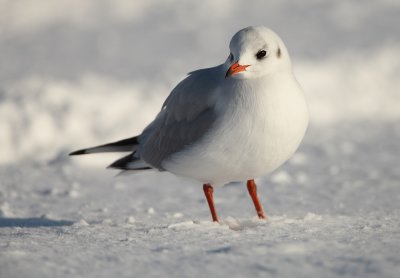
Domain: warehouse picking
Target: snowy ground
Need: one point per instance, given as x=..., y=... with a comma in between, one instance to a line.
x=75, y=73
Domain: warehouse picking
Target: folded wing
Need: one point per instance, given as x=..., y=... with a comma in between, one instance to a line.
x=186, y=116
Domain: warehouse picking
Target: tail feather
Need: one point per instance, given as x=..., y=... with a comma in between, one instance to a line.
x=125, y=145
x=125, y=173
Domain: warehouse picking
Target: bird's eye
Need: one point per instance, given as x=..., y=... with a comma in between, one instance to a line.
x=261, y=54
x=231, y=57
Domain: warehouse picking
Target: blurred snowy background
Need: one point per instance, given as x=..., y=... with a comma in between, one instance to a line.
x=80, y=73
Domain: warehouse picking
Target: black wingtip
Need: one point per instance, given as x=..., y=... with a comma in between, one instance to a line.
x=78, y=152
x=122, y=162
x=117, y=165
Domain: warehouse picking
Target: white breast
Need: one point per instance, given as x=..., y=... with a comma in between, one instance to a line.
x=261, y=124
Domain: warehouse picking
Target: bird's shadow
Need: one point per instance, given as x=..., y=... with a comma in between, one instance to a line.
x=33, y=222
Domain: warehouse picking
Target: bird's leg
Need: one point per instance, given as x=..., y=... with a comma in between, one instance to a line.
x=208, y=191
x=252, y=188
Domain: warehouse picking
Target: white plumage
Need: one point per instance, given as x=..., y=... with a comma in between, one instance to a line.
x=257, y=130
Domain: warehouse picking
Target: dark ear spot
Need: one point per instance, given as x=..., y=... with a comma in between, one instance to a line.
x=279, y=53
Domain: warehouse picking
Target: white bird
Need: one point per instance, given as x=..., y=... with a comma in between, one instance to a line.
x=233, y=122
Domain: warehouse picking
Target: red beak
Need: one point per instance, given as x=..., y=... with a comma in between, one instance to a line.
x=235, y=68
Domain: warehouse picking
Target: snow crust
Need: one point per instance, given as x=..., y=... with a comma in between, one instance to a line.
x=79, y=73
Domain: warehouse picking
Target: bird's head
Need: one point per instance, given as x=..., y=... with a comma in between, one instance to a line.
x=256, y=52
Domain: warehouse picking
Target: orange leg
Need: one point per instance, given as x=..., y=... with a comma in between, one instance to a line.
x=208, y=191
x=252, y=188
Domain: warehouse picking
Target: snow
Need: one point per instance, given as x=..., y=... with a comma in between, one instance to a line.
x=79, y=73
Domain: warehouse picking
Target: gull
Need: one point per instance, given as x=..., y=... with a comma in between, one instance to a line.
x=234, y=122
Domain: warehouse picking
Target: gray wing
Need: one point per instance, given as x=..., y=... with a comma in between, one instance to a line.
x=186, y=116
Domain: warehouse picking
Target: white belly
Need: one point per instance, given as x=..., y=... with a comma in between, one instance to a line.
x=252, y=138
